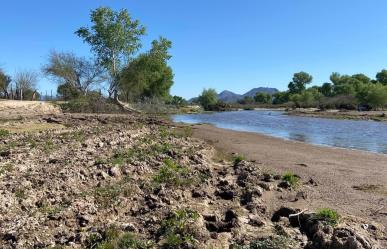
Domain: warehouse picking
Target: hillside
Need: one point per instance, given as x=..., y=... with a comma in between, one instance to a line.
x=231, y=97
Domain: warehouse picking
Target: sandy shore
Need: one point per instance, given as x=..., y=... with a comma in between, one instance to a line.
x=337, y=171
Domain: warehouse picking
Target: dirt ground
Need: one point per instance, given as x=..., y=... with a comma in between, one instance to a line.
x=16, y=108
x=352, y=181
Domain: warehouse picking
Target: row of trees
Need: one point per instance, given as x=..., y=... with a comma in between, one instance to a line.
x=343, y=91
x=114, y=39
x=21, y=86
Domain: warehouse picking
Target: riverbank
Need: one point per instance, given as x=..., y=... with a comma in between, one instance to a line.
x=336, y=114
x=349, y=180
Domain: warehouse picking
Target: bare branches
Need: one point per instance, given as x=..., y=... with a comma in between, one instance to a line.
x=77, y=72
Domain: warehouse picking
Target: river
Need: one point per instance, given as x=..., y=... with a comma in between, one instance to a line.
x=351, y=134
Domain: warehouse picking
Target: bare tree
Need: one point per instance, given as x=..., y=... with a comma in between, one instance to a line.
x=25, y=82
x=77, y=72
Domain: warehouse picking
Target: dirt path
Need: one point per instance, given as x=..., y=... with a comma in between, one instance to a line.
x=337, y=171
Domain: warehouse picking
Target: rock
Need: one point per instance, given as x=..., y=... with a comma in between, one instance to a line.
x=282, y=212
x=301, y=195
x=284, y=185
x=268, y=178
x=255, y=221
x=83, y=220
x=197, y=193
x=100, y=144
x=266, y=186
x=103, y=175
x=225, y=194
x=115, y=171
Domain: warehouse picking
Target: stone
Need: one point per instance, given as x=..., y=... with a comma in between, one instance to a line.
x=115, y=171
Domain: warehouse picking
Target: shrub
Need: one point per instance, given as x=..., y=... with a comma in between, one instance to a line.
x=291, y=178
x=327, y=216
x=177, y=228
x=91, y=103
x=173, y=174
x=238, y=159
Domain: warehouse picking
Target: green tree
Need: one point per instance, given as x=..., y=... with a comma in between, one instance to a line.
x=5, y=81
x=177, y=101
x=114, y=38
x=300, y=80
x=148, y=75
x=246, y=100
x=208, y=98
x=327, y=89
x=262, y=98
x=307, y=98
x=374, y=95
x=382, y=77
x=67, y=91
x=281, y=98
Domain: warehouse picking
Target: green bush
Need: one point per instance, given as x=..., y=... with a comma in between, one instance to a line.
x=291, y=178
x=237, y=159
x=328, y=216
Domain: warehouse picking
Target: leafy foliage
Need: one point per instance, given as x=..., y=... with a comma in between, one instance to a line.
x=291, y=178
x=177, y=228
x=328, y=216
x=173, y=174
x=208, y=98
x=113, y=38
x=148, y=75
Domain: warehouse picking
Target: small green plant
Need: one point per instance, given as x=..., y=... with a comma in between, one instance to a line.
x=177, y=228
x=237, y=159
x=48, y=146
x=113, y=238
x=279, y=242
x=291, y=178
x=328, y=216
x=173, y=174
x=4, y=133
x=20, y=193
x=6, y=168
x=107, y=195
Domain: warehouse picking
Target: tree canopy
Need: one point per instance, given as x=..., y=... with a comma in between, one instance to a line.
x=114, y=38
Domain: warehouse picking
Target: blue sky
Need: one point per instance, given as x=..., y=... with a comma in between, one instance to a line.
x=224, y=44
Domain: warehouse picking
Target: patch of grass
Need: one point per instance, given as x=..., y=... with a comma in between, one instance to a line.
x=185, y=131
x=279, y=242
x=108, y=195
x=48, y=146
x=177, y=228
x=291, y=178
x=31, y=141
x=4, y=133
x=327, y=216
x=237, y=159
x=6, y=168
x=50, y=210
x=173, y=174
x=20, y=193
x=113, y=238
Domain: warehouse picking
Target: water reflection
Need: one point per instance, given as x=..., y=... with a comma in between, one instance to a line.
x=362, y=135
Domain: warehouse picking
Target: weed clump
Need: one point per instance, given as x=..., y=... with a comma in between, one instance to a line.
x=4, y=133
x=237, y=159
x=113, y=238
x=327, y=216
x=291, y=178
x=173, y=174
x=279, y=242
x=177, y=229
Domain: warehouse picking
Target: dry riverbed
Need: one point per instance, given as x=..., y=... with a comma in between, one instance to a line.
x=130, y=181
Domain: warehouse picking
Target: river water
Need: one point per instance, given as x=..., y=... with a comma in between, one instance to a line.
x=361, y=135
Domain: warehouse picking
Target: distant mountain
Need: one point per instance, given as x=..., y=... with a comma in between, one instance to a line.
x=230, y=97
x=254, y=91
